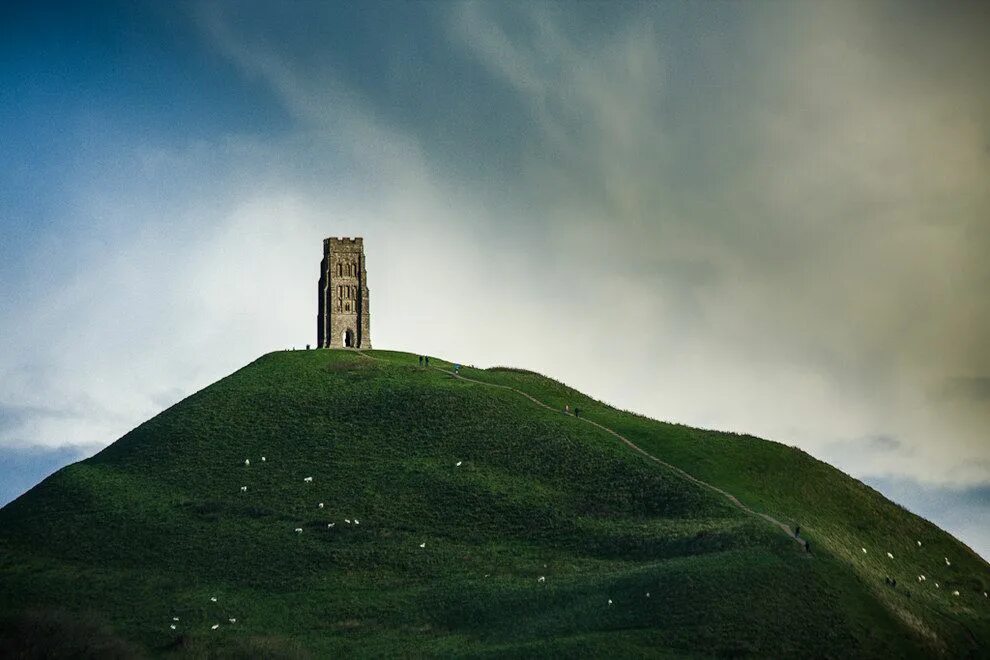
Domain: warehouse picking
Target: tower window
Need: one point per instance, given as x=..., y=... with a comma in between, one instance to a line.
x=340, y=270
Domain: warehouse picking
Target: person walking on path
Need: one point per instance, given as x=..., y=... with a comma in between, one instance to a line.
x=577, y=411
x=567, y=409
x=427, y=360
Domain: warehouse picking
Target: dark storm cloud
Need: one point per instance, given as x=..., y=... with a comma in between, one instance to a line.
x=974, y=388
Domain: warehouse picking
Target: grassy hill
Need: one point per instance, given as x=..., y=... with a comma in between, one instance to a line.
x=544, y=534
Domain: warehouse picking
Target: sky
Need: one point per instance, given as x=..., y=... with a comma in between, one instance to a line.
x=765, y=217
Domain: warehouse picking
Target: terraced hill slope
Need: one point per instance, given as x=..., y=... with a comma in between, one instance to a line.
x=460, y=517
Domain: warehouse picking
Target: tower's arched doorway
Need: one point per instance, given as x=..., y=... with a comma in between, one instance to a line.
x=348, y=339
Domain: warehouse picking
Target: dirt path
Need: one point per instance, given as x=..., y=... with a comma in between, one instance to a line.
x=704, y=484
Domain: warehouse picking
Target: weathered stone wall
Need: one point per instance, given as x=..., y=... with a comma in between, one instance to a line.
x=343, y=316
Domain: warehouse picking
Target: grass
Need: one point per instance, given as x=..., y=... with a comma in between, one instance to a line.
x=155, y=525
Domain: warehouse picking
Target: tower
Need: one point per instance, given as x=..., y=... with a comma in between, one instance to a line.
x=343, y=320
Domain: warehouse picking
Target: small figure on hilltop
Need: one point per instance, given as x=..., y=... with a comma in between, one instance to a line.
x=457, y=369
x=577, y=411
x=421, y=360
x=427, y=360
x=807, y=547
x=567, y=409
x=797, y=530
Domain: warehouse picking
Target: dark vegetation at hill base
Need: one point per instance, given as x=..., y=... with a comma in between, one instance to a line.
x=101, y=556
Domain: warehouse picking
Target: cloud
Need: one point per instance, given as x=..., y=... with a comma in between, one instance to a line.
x=808, y=262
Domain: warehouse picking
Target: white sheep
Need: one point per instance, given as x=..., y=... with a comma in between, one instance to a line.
x=215, y=626
x=921, y=578
x=423, y=544
x=357, y=522
x=321, y=505
x=308, y=480
x=955, y=593
x=243, y=489
x=298, y=530
x=647, y=594
x=175, y=618
x=458, y=464
x=947, y=562
x=329, y=525
x=172, y=626
x=247, y=461
x=937, y=586
x=610, y=602
x=213, y=599
x=890, y=555
x=232, y=620
x=542, y=578
x=864, y=551
x=347, y=521
x=263, y=459
x=919, y=544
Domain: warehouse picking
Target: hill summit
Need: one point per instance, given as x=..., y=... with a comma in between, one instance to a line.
x=320, y=503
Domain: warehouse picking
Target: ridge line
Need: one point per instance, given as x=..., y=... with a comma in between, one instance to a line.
x=727, y=495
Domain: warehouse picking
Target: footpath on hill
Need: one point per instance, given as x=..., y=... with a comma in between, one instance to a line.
x=704, y=484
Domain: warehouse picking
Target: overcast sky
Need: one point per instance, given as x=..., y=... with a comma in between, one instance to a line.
x=770, y=218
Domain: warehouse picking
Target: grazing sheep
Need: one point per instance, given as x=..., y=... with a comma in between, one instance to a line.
x=247, y=461
x=890, y=555
x=347, y=521
x=175, y=618
x=423, y=544
x=919, y=544
x=213, y=599
x=542, y=579
x=985, y=595
x=937, y=586
x=232, y=620
x=947, y=562
x=955, y=593
x=243, y=489
x=458, y=464
x=610, y=602
x=172, y=626
x=321, y=505
x=308, y=480
x=864, y=551
x=298, y=530
x=357, y=522
x=647, y=594
x=329, y=525
x=215, y=626
x=263, y=459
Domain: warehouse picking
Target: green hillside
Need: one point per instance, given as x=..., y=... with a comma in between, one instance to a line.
x=544, y=534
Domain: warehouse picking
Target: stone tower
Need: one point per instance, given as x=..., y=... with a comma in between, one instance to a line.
x=344, y=320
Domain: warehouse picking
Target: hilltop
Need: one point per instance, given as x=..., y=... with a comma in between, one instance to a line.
x=470, y=516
